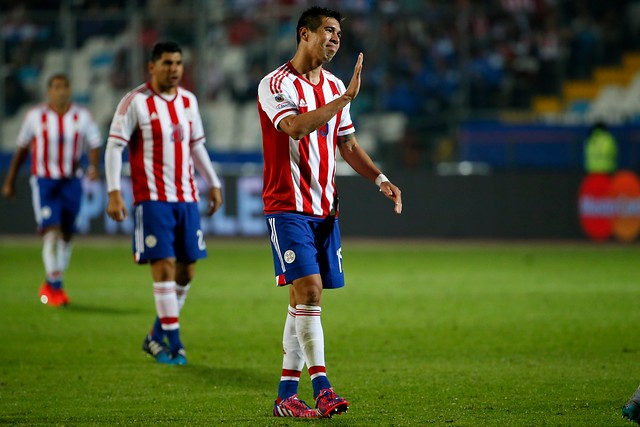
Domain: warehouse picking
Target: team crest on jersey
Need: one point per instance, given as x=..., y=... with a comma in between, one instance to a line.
x=289, y=256
x=279, y=97
x=150, y=241
x=178, y=133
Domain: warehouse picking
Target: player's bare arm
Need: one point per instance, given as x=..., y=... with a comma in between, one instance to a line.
x=9, y=185
x=116, y=208
x=301, y=125
x=94, y=162
x=360, y=161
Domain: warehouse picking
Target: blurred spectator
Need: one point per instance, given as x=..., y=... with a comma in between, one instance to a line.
x=612, y=36
x=98, y=18
x=486, y=76
x=15, y=95
x=548, y=44
x=584, y=43
x=632, y=29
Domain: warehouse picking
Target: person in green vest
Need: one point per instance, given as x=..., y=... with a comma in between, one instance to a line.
x=601, y=150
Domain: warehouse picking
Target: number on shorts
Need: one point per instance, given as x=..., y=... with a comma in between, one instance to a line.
x=201, y=244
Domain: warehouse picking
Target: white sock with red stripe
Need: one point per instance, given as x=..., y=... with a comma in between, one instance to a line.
x=168, y=311
x=50, y=260
x=157, y=333
x=292, y=359
x=311, y=338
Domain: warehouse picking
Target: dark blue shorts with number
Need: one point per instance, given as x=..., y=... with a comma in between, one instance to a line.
x=304, y=245
x=167, y=230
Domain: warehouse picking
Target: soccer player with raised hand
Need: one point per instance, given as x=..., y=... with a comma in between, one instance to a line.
x=304, y=114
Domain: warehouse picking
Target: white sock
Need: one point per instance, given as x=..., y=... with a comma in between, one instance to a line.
x=63, y=254
x=310, y=335
x=293, y=357
x=49, y=255
x=181, y=294
x=167, y=309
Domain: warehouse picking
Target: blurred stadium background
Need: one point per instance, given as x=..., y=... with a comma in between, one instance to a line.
x=478, y=109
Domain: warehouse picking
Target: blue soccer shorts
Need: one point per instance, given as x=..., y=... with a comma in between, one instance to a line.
x=56, y=202
x=304, y=245
x=167, y=230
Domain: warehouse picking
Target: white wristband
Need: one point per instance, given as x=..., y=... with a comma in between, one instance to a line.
x=380, y=179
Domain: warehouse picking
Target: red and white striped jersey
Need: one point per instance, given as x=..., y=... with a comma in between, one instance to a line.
x=299, y=174
x=160, y=132
x=57, y=141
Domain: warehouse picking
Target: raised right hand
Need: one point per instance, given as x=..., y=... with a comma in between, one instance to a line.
x=354, y=85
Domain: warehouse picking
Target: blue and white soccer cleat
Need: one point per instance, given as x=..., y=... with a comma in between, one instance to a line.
x=631, y=409
x=158, y=351
x=329, y=403
x=179, y=358
x=294, y=407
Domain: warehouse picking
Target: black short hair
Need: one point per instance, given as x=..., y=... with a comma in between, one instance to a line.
x=58, y=76
x=162, y=47
x=312, y=19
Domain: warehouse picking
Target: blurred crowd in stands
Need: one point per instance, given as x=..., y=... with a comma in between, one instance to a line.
x=422, y=57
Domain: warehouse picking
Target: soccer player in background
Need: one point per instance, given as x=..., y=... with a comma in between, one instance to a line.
x=160, y=123
x=304, y=114
x=57, y=133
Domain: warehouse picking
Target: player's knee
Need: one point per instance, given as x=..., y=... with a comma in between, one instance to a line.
x=163, y=270
x=183, y=278
x=185, y=272
x=312, y=297
x=308, y=290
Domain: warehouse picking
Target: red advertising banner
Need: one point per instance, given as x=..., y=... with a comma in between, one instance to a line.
x=609, y=206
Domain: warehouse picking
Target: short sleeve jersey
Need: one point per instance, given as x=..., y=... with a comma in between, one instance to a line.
x=160, y=133
x=299, y=174
x=57, y=141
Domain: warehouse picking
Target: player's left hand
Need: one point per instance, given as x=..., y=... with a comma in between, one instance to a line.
x=215, y=200
x=9, y=190
x=393, y=193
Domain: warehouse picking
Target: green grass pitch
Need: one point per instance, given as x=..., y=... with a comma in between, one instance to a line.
x=425, y=334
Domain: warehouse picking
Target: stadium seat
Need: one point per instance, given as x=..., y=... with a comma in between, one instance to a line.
x=220, y=115
x=606, y=106
x=248, y=128
x=389, y=127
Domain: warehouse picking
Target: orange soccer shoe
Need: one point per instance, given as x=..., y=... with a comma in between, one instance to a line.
x=53, y=297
